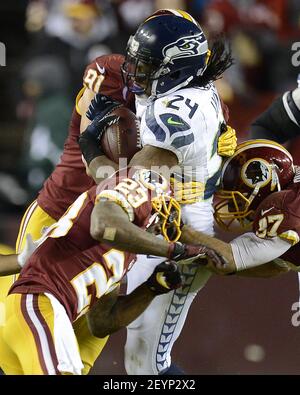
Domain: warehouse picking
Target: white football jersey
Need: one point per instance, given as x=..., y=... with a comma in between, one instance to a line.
x=188, y=123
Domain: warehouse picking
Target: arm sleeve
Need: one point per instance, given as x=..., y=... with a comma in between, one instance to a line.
x=251, y=251
x=281, y=120
x=128, y=194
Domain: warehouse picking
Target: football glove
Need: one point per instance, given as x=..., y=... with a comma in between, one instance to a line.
x=179, y=251
x=101, y=106
x=227, y=141
x=89, y=140
x=165, y=277
x=29, y=248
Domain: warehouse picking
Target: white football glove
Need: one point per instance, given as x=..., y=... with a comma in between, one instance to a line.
x=29, y=248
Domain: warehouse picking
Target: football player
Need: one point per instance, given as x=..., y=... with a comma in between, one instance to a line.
x=260, y=191
x=171, y=70
x=281, y=121
x=81, y=260
x=68, y=181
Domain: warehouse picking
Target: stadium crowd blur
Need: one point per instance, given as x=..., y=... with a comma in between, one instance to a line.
x=49, y=43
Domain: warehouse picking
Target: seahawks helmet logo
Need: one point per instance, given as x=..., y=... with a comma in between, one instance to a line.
x=185, y=47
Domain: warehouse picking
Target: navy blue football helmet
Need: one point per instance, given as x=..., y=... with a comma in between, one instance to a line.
x=166, y=53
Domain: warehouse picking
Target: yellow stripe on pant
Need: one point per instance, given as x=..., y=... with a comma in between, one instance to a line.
x=35, y=222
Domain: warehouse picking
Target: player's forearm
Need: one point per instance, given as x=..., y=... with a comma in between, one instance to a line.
x=101, y=167
x=191, y=236
x=153, y=156
x=119, y=314
x=9, y=265
x=125, y=236
x=110, y=225
x=267, y=270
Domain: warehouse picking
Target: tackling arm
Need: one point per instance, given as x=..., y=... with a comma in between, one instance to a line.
x=265, y=268
x=192, y=236
x=98, y=161
x=110, y=224
x=113, y=312
x=12, y=264
x=270, y=269
x=9, y=265
x=154, y=156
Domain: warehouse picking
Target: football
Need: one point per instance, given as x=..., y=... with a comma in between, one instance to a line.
x=122, y=139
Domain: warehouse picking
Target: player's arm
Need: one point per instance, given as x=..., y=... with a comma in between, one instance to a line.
x=12, y=264
x=191, y=236
x=246, y=255
x=281, y=120
x=95, y=158
x=154, y=156
x=9, y=265
x=113, y=311
x=267, y=270
x=110, y=224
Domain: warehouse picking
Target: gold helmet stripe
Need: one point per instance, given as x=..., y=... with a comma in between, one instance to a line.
x=176, y=12
x=258, y=142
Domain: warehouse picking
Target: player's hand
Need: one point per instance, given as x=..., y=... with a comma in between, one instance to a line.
x=99, y=125
x=179, y=251
x=165, y=277
x=89, y=140
x=221, y=269
x=101, y=106
x=227, y=142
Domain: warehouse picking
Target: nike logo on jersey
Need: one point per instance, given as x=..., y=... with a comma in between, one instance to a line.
x=263, y=212
x=101, y=69
x=171, y=121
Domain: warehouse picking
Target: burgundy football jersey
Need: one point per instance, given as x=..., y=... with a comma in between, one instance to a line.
x=279, y=215
x=73, y=266
x=69, y=178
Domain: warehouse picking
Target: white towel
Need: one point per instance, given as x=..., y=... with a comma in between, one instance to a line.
x=66, y=345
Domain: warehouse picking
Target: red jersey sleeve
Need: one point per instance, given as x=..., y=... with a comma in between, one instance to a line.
x=279, y=215
x=103, y=75
x=69, y=178
x=129, y=194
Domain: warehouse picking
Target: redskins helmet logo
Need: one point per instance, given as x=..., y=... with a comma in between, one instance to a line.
x=185, y=47
x=256, y=172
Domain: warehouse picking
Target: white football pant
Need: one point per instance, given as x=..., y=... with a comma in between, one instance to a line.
x=150, y=337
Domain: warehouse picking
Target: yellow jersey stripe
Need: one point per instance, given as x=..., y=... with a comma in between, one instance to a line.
x=291, y=236
x=78, y=97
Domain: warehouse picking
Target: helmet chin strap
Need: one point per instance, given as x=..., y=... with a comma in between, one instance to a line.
x=137, y=90
x=275, y=183
x=253, y=194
